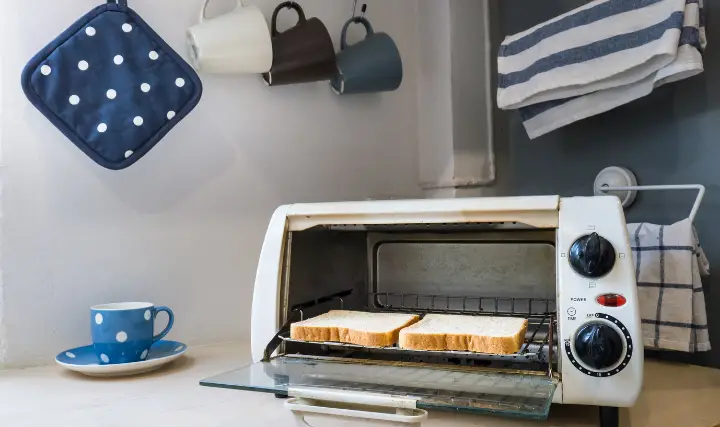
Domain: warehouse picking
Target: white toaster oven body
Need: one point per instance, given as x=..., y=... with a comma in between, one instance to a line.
x=576, y=296
x=565, y=264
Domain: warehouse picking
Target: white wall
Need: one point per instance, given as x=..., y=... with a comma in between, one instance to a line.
x=182, y=227
x=455, y=98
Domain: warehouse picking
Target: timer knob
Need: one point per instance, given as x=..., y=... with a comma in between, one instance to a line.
x=599, y=346
x=592, y=256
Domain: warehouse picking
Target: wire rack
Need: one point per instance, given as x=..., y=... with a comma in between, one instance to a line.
x=539, y=345
x=446, y=304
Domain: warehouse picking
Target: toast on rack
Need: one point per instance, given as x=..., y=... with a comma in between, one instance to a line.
x=480, y=334
x=353, y=327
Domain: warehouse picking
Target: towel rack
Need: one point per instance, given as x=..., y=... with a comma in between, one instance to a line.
x=623, y=184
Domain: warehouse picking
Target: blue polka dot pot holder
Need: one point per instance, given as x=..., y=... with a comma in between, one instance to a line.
x=112, y=85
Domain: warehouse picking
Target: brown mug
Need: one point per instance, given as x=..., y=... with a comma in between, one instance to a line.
x=302, y=54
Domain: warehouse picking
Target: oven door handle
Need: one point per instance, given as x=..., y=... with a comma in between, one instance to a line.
x=353, y=397
x=366, y=408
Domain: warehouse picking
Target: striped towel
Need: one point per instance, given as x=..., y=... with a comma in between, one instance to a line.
x=598, y=57
x=668, y=265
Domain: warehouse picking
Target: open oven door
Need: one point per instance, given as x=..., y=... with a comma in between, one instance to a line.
x=392, y=391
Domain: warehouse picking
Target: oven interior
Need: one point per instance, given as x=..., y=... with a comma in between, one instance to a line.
x=474, y=269
x=482, y=269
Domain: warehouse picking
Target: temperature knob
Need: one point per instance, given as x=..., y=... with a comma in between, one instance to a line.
x=592, y=256
x=599, y=346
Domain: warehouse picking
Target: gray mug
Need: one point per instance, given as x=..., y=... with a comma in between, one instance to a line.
x=372, y=65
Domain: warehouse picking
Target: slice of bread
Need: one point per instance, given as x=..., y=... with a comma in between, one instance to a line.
x=353, y=327
x=480, y=334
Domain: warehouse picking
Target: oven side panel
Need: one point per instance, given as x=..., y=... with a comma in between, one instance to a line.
x=268, y=280
x=325, y=262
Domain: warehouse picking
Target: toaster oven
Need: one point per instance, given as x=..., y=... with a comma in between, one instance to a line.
x=565, y=264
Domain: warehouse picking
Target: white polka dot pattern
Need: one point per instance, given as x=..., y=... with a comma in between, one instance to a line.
x=82, y=88
x=104, y=358
x=121, y=336
x=70, y=355
x=144, y=354
x=147, y=314
x=99, y=318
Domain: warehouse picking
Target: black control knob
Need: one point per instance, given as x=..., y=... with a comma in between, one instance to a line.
x=592, y=256
x=599, y=346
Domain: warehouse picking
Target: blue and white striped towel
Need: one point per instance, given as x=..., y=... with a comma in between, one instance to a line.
x=598, y=57
x=669, y=264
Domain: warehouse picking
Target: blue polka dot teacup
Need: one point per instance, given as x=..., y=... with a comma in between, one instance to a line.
x=123, y=332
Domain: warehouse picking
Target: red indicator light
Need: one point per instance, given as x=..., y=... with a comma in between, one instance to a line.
x=611, y=300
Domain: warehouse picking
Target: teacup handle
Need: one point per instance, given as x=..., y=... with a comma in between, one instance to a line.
x=287, y=5
x=203, y=11
x=356, y=20
x=171, y=320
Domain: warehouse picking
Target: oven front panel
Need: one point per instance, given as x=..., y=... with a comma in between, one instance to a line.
x=601, y=346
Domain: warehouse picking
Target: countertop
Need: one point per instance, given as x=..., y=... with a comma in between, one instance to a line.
x=674, y=395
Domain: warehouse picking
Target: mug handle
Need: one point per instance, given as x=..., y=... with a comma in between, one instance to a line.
x=203, y=11
x=171, y=320
x=355, y=20
x=287, y=5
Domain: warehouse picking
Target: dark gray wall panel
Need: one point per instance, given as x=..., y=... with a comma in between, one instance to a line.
x=670, y=137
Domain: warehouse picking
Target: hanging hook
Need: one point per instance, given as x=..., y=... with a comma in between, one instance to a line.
x=364, y=9
x=354, y=9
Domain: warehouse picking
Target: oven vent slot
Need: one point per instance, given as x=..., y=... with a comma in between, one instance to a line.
x=444, y=226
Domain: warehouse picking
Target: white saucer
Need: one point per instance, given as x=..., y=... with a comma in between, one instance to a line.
x=85, y=361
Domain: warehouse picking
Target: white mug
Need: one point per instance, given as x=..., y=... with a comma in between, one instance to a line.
x=236, y=42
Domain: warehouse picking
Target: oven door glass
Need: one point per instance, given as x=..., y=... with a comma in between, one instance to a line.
x=516, y=394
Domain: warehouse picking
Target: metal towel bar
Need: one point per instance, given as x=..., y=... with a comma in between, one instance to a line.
x=623, y=183
x=698, y=200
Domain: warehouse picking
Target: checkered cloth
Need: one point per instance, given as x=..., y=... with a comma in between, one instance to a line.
x=668, y=265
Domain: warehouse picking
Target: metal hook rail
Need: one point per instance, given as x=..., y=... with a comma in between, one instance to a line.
x=624, y=184
x=354, y=10
x=698, y=187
